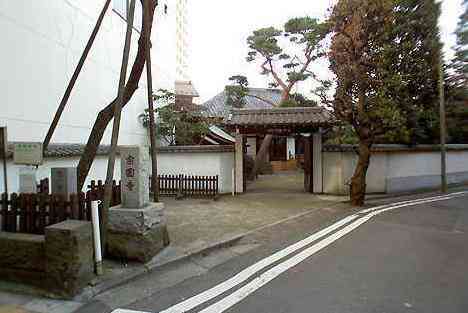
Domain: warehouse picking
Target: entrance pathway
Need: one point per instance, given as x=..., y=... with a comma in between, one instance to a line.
x=193, y=223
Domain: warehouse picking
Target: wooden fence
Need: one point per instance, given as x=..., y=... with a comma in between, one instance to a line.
x=31, y=213
x=43, y=186
x=169, y=185
x=188, y=186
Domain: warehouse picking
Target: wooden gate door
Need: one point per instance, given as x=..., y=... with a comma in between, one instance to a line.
x=308, y=164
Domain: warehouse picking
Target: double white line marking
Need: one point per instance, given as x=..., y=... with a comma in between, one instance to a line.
x=352, y=222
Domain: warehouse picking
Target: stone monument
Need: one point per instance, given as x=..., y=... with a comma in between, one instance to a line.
x=27, y=180
x=137, y=228
x=64, y=181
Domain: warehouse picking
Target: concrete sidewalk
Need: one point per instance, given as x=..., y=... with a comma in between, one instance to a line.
x=196, y=226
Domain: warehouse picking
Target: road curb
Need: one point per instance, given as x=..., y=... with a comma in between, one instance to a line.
x=90, y=292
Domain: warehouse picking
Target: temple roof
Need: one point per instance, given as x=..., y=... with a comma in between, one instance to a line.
x=257, y=98
x=281, y=117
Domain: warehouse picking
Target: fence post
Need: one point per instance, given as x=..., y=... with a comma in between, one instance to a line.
x=4, y=212
x=13, y=213
x=180, y=191
x=216, y=186
x=42, y=212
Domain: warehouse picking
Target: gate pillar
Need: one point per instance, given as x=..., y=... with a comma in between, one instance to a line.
x=239, y=164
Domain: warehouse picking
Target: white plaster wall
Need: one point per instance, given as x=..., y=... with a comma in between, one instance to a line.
x=391, y=172
x=338, y=168
x=333, y=182
x=420, y=170
x=425, y=163
x=42, y=43
x=98, y=171
x=201, y=164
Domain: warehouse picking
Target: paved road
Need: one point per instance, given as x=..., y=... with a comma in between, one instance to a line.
x=412, y=258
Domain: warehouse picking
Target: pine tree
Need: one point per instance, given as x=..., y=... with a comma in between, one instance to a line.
x=459, y=66
x=457, y=84
x=413, y=62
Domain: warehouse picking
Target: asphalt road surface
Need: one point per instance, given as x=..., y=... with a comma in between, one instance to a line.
x=406, y=257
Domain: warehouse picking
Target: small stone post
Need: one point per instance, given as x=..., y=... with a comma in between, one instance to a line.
x=27, y=180
x=137, y=228
x=64, y=181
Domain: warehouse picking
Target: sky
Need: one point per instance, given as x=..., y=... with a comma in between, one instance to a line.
x=219, y=29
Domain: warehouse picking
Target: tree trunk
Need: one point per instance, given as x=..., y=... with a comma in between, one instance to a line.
x=107, y=114
x=262, y=152
x=266, y=142
x=358, y=181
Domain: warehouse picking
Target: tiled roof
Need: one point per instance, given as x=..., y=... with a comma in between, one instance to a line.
x=63, y=150
x=394, y=148
x=196, y=149
x=216, y=107
x=299, y=116
x=185, y=88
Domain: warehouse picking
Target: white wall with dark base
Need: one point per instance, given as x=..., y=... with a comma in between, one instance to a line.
x=98, y=171
x=394, y=169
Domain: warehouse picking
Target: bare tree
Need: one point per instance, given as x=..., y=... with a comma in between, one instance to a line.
x=106, y=115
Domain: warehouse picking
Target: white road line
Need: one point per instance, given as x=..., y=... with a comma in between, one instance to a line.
x=127, y=311
x=245, y=274
x=461, y=193
x=274, y=272
x=242, y=276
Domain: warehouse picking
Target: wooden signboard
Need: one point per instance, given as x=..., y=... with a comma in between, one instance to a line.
x=28, y=153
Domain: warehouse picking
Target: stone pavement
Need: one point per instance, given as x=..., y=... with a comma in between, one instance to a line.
x=193, y=223
x=196, y=226
x=19, y=303
x=199, y=225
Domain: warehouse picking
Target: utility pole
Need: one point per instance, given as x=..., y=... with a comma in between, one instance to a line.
x=3, y=155
x=152, y=125
x=443, y=129
x=116, y=126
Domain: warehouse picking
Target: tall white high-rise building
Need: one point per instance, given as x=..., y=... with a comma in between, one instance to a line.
x=45, y=41
x=182, y=40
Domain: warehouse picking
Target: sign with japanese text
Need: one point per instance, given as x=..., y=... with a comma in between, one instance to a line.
x=135, y=176
x=130, y=172
x=28, y=153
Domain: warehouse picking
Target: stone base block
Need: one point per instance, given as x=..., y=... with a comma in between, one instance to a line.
x=136, y=234
x=69, y=253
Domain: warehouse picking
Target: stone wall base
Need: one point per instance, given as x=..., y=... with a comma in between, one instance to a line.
x=137, y=234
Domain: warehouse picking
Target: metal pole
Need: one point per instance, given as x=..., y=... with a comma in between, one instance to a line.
x=75, y=75
x=116, y=126
x=152, y=125
x=443, y=130
x=97, y=237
